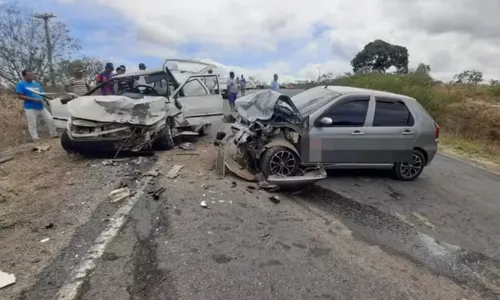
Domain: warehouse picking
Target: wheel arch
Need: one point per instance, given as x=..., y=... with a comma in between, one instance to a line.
x=279, y=142
x=424, y=153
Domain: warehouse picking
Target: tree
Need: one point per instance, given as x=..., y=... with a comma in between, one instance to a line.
x=469, y=77
x=379, y=56
x=423, y=69
x=66, y=69
x=23, y=45
x=494, y=82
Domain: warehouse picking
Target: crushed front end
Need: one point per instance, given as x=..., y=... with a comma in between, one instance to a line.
x=265, y=140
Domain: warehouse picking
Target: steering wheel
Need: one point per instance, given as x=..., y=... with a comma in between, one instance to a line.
x=146, y=90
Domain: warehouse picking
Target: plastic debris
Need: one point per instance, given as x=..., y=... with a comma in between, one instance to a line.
x=42, y=148
x=151, y=174
x=187, y=146
x=203, y=204
x=6, y=279
x=119, y=194
x=174, y=172
x=157, y=193
x=45, y=240
x=275, y=199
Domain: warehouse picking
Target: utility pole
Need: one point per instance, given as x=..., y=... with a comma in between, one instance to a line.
x=46, y=17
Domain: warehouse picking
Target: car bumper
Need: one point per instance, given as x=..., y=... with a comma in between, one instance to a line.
x=431, y=152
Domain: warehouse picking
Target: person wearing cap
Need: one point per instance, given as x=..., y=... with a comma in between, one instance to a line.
x=121, y=70
x=107, y=74
x=78, y=85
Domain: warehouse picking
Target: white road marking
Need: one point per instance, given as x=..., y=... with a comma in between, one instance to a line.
x=469, y=163
x=70, y=289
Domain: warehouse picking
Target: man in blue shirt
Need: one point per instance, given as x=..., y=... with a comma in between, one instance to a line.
x=275, y=86
x=33, y=105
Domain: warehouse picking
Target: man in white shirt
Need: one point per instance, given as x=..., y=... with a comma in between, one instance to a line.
x=275, y=86
x=232, y=90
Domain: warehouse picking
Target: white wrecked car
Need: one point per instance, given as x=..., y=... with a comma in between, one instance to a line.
x=148, y=109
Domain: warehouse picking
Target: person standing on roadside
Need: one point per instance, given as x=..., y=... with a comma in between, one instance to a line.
x=243, y=85
x=78, y=85
x=142, y=67
x=232, y=90
x=275, y=86
x=104, y=76
x=26, y=90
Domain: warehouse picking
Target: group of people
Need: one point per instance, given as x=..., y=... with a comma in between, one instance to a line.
x=31, y=93
x=234, y=84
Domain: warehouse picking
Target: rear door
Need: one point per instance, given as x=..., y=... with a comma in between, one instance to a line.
x=391, y=131
x=196, y=99
x=343, y=141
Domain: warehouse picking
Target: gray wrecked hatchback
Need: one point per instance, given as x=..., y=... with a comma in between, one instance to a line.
x=264, y=144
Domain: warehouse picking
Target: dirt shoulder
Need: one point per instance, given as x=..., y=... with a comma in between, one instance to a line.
x=45, y=197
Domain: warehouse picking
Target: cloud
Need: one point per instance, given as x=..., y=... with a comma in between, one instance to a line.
x=297, y=38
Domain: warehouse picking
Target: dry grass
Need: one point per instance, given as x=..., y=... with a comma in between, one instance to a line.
x=13, y=128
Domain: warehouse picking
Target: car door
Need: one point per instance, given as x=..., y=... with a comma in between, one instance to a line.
x=391, y=131
x=336, y=135
x=196, y=99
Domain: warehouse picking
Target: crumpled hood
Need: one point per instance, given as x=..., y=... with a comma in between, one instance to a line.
x=119, y=109
x=260, y=106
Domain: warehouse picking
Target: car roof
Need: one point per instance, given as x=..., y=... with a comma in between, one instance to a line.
x=344, y=90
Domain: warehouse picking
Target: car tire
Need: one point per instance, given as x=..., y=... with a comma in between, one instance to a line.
x=165, y=141
x=205, y=129
x=407, y=171
x=66, y=143
x=273, y=157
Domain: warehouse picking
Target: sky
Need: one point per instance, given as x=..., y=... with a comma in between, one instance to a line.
x=297, y=39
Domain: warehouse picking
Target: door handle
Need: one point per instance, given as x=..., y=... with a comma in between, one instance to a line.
x=357, y=132
x=407, y=132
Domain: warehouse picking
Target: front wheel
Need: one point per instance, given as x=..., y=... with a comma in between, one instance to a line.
x=66, y=142
x=410, y=171
x=164, y=141
x=280, y=161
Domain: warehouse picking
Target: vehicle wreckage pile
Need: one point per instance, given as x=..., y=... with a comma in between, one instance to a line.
x=264, y=142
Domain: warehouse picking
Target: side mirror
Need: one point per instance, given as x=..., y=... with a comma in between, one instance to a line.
x=325, y=121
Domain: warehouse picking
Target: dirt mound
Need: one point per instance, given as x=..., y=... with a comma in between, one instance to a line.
x=13, y=128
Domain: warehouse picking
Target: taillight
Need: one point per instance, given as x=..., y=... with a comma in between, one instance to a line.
x=436, y=132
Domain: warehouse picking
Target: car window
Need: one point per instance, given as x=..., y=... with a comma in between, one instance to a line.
x=348, y=114
x=391, y=113
x=310, y=100
x=194, y=88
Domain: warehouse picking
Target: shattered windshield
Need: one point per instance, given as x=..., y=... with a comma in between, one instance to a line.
x=312, y=99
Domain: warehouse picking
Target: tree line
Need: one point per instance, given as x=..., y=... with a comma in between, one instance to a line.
x=23, y=47
x=380, y=57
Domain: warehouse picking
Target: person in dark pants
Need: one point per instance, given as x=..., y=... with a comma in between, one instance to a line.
x=232, y=90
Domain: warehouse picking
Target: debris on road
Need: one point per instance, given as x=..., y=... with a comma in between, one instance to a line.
x=151, y=174
x=119, y=194
x=42, y=148
x=45, y=240
x=174, y=172
x=187, y=146
x=265, y=235
x=203, y=204
x=188, y=153
x=233, y=184
x=275, y=199
x=49, y=226
x=6, y=279
x=157, y=193
x=6, y=159
x=139, y=160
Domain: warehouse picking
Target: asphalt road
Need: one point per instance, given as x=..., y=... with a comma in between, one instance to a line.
x=356, y=235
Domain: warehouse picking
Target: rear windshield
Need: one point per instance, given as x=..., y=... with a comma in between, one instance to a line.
x=312, y=99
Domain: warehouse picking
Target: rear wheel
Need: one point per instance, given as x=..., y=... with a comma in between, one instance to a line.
x=280, y=161
x=410, y=171
x=205, y=129
x=165, y=141
x=66, y=142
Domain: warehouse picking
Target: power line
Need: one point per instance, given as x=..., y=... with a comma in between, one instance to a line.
x=46, y=17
